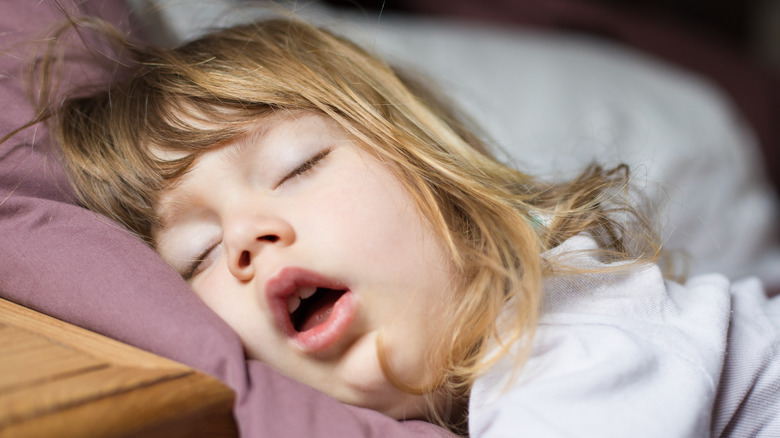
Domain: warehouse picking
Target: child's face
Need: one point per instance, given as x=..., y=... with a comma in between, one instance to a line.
x=297, y=208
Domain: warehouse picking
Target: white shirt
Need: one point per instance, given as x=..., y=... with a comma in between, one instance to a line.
x=629, y=354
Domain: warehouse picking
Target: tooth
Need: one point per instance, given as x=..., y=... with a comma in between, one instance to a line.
x=292, y=303
x=306, y=292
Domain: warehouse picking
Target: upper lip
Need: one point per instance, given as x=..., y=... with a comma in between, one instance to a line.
x=287, y=282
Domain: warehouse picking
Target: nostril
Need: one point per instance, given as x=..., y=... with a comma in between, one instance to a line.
x=244, y=259
x=271, y=238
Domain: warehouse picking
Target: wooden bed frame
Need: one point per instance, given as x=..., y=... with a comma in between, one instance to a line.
x=57, y=379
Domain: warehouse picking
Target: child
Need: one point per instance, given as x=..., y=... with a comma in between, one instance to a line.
x=359, y=238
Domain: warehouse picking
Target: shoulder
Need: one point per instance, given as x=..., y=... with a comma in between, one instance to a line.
x=617, y=353
x=748, y=402
x=621, y=289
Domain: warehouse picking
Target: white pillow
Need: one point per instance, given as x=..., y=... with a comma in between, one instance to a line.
x=555, y=102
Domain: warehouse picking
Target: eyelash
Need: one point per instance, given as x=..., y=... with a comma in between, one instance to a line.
x=192, y=269
x=306, y=166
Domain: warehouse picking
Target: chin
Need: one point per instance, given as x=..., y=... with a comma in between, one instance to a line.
x=390, y=401
x=416, y=409
x=365, y=385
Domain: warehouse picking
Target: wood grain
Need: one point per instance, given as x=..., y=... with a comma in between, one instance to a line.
x=57, y=379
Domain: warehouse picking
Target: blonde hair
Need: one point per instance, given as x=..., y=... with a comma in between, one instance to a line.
x=494, y=221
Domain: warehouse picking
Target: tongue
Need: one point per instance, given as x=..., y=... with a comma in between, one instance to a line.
x=317, y=309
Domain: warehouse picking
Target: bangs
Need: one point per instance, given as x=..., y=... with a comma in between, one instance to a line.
x=186, y=128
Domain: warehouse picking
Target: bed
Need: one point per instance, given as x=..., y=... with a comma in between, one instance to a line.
x=549, y=100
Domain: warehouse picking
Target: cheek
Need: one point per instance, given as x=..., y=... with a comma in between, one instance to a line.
x=365, y=212
x=237, y=306
x=213, y=289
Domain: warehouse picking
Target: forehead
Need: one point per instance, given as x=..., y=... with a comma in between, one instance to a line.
x=281, y=124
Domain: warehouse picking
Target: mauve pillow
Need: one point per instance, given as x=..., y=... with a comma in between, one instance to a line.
x=67, y=262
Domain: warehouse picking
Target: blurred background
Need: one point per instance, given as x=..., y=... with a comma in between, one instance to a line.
x=735, y=43
x=752, y=26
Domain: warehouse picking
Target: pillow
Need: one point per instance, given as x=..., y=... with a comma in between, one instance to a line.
x=752, y=85
x=554, y=102
x=65, y=261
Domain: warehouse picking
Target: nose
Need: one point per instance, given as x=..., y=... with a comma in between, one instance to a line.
x=248, y=235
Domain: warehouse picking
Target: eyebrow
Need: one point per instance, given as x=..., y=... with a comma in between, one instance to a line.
x=173, y=209
x=238, y=145
x=250, y=138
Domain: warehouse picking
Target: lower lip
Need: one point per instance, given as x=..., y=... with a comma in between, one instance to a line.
x=321, y=337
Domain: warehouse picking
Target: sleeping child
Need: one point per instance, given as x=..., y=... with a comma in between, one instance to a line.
x=360, y=238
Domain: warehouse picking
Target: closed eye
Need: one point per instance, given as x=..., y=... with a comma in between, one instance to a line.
x=198, y=265
x=305, y=166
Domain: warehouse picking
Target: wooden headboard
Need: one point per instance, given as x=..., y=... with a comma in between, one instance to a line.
x=57, y=379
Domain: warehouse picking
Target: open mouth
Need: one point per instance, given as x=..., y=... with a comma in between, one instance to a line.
x=312, y=306
x=312, y=310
